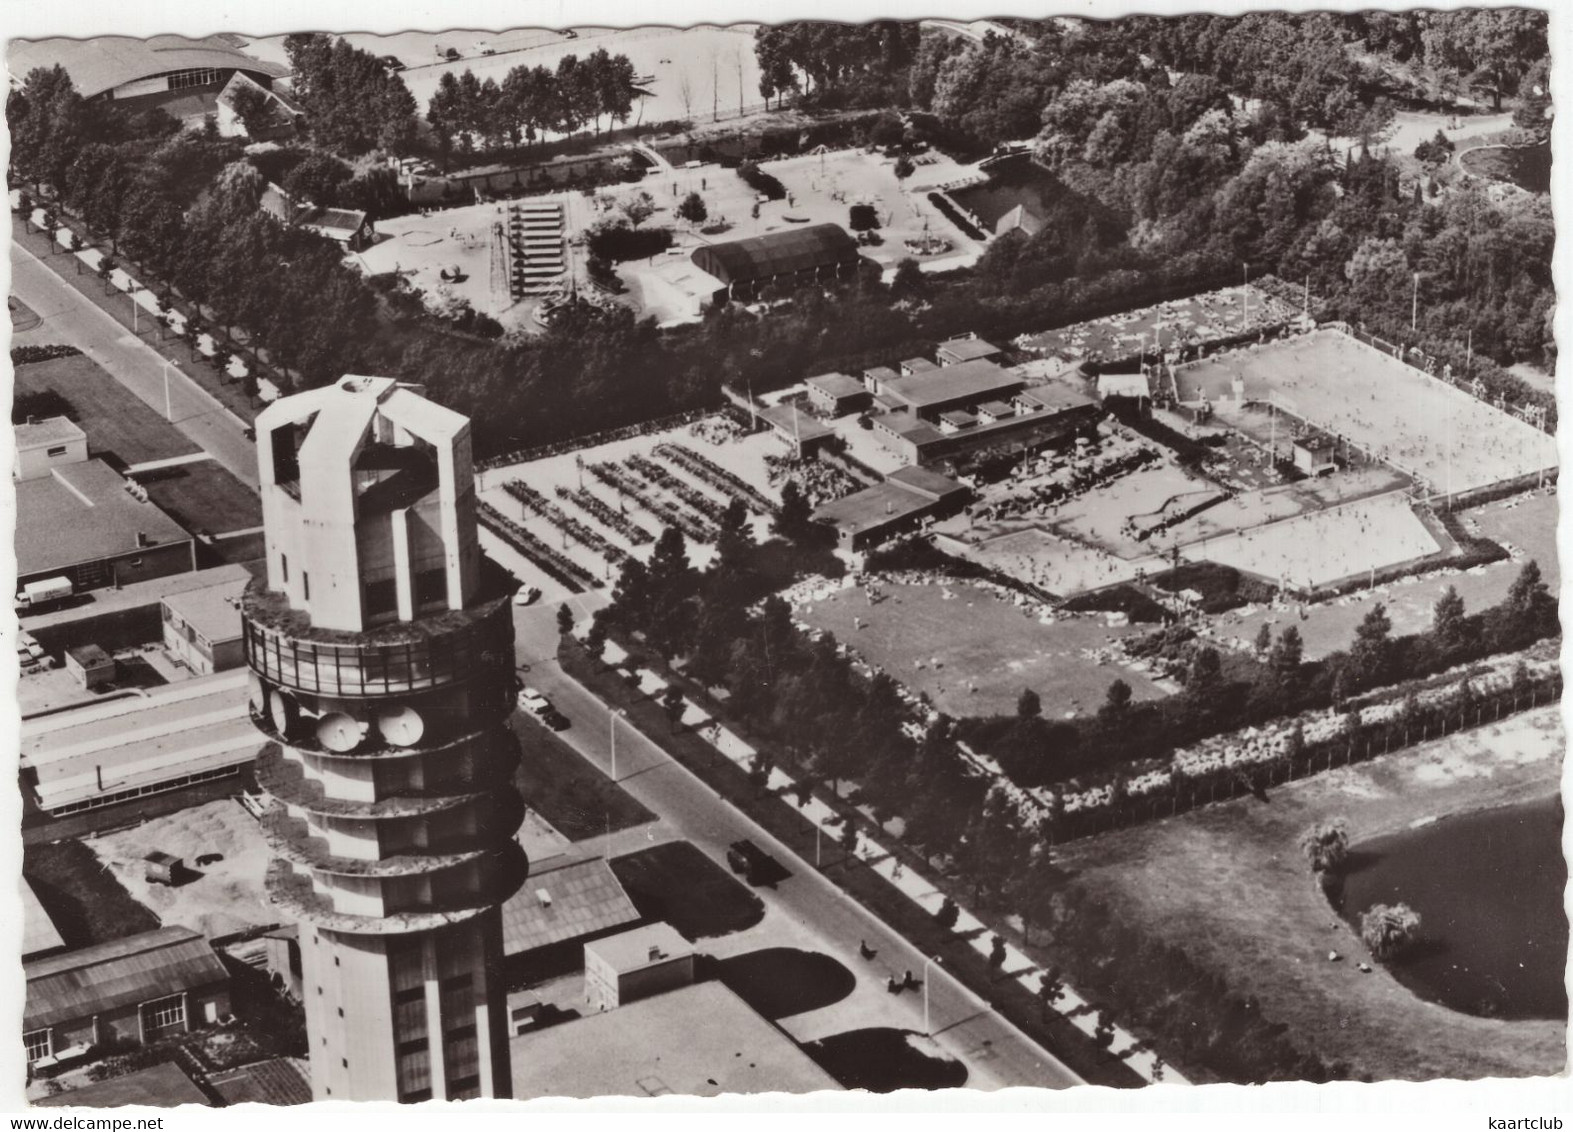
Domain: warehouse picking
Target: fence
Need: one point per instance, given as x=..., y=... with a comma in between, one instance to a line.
x=1340, y=751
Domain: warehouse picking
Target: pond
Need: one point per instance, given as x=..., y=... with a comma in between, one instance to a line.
x=1488, y=887
x=883, y=1060
x=1527, y=166
x=1016, y=180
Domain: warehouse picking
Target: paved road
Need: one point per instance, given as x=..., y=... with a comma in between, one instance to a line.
x=70, y=319
x=996, y=1054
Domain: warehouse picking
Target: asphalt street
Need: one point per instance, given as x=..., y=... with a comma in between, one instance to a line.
x=996, y=1054
x=69, y=318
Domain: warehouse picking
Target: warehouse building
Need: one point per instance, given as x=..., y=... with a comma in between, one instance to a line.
x=77, y=518
x=168, y=72
x=906, y=500
x=141, y=988
x=818, y=251
x=636, y=964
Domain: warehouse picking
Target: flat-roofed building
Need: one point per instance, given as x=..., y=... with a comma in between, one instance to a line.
x=80, y=521
x=914, y=366
x=1313, y=455
x=931, y=392
x=121, y=749
x=91, y=665
x=636, y=964
x=43, y=445
x=837, y=394
x=903, y=503
x=968, y=348
x=141, y=988
x=202, y=627
x=702, y=1040
x=803, y=433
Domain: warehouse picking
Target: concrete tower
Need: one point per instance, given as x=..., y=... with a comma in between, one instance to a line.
x=381, y=650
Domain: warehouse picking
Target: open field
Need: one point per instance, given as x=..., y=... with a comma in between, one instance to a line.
x=978, y=651
x=206, y=496
x=216, y=899
x=119, y=427
x=1228, y=885
x=576, y=798
x=1322, y=547
x=86, y=902
x=1182, y=322
x=1423, y=426
x=1529, y=525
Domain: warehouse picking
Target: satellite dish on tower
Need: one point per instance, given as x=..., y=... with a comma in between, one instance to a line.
x=284, y=712
x=338, y=732
x=402, y=727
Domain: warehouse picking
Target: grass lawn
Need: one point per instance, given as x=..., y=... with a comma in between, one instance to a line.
x=677, y=883
x=206, y=496
x=119, y=427
x=84, y=899
x=1529, y=523
x=1228, y=885
x=981, y=642
x=575, y=797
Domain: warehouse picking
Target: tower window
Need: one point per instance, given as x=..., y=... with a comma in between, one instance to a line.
x=284, y=566
x=431, y=586
x=382, y=596
x=305, y=585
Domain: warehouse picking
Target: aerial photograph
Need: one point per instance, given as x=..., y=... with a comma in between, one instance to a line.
x=922, y=554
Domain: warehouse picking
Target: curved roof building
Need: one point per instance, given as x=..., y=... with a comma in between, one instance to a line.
x=743, y=264
x=117, y=67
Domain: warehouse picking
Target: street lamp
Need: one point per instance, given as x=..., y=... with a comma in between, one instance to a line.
x=612, y=724
x=928, y=960
x=169, y=412
x=1414, y=305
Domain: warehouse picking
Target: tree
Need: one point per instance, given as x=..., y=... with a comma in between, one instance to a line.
x=792, y=522
x=1051, y=988
x=904, y=168
x=849, y=836
x=320, y=179
x=1371, y=655
x=1326, y=845
x=1034, y=891
x=564, y=620
x=908, y=280
x=638, y=208
x=595, y=639
x=254, y=108
x=948, y=914
x=1389, y=930
x=1029, y=705
x=1264, y=639
x=1115, y=709
x=673, y=705
x=693, y=209
x=1284, y=659
x=863, y=218
x=1448, y=623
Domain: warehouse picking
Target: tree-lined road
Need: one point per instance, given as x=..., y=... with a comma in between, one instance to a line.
x=69, y=318
x=996, y=1054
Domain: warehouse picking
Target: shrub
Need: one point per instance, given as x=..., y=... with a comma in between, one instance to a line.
x=616, y=240
x=904, y=167
x=1389, y=930
x=863, y=218
x=760, y=181
x=1326, y=846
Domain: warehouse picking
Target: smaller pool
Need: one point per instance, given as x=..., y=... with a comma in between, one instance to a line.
x=1527, y=166
x=1488, y=887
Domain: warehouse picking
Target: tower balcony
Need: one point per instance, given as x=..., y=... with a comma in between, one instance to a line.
x=285, y=779
x=293, y=894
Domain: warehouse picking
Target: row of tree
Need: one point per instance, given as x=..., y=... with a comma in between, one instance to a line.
x=353, y=104
x=531, y=102
x=1035, y=751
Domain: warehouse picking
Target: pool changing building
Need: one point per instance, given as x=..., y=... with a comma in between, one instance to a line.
x=381, y=653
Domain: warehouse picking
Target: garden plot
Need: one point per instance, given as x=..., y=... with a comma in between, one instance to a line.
x=973, y=652
x=1322, y=547
x=1419, y=424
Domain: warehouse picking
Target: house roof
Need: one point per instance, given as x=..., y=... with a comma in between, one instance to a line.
x=918, y=365
x=213, y=611
x=1057, y=396
x=875, y=507
x=88, y=656
x=164, y=1085
x=40, y=434
x=240, y=79
x=929, y=483
x=583, y=898
x=104, y=62
x=793, y=423
x=967, y=349
x=906, y=426
x=837, y=384
x=39, y=933
x=996, y=408
x=630, y=951
x=777, y=253
x=959, y=417
x=80, y=513
x=336, y=221
x=278, y=1080
x=1122, y=385
x=966, y=381
x=121, y=973
x=882, y=373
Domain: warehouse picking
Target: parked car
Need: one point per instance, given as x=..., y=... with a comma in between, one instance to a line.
x=754, y=864
x=555, y=719
x=529, y=595
x=533, y=702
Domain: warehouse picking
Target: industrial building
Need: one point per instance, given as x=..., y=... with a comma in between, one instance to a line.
x=168, y=72
x=121, y=749
x=77, y=518
x=742, y=267
x=202, y=626
x=381, y=648
x=906, y=500
x=836, y=394
x=140, y=988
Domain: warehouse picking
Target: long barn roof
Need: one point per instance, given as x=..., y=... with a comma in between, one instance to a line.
x=105, y=62
x=120, y=973
x=778, y=253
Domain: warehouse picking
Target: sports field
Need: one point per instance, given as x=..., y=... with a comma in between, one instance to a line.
x=977, y=652
x=1321, y=547
x=118, y=426
x=1419, y=424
